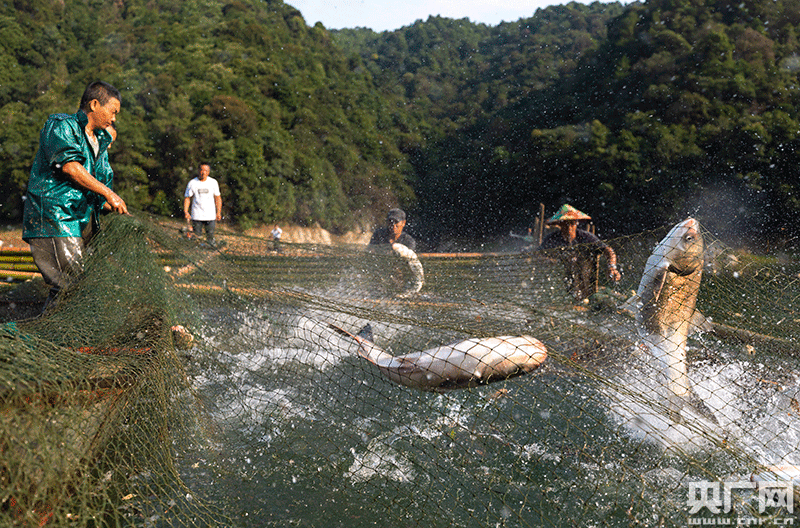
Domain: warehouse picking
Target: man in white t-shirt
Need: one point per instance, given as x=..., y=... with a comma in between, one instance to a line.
x=276, y=237
x=203, y=197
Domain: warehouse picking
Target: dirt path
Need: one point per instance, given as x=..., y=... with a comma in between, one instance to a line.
x=11, y=237
x=311, y=235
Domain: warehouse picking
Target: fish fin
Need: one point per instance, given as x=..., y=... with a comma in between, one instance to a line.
x=692, y=401
x=340, y=330
x=700, y=407
x=366, y=347
x=652, y=291
x=360, y=339
x=700, y=323
x=366, y=333
x=674, y=410
x=631, y=305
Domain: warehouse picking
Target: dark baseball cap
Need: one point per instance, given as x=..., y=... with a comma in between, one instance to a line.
x=397, y=215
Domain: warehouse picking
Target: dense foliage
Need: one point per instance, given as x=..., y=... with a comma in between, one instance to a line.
x=637, y=114
x=293, y=130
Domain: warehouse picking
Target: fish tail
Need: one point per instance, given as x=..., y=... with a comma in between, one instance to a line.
x=692, y=401
x=366, y=333
x=700, y=407
x=364, y=339
x=363, y=334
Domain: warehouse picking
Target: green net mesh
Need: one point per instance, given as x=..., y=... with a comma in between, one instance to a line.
x=271, y=417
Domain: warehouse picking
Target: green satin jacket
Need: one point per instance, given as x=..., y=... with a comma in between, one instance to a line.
x=54, y=206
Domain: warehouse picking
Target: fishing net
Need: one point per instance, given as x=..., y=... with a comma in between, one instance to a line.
x=264, y=413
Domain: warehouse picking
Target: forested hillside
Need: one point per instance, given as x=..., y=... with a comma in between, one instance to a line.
x=294, y=130
x=637, y=114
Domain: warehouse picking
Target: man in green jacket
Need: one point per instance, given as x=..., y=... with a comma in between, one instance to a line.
x=63, y=189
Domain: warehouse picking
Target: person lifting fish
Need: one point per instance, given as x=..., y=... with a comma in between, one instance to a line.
x=402, y=246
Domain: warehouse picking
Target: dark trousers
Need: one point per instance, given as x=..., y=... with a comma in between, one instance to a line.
x=208, y=225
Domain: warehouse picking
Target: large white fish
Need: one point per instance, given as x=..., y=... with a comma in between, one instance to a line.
x=464, y=364
x=665, y=309
x=417, y=273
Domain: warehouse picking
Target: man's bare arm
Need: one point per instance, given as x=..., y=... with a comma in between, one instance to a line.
x=78, y=174
x=187, y=203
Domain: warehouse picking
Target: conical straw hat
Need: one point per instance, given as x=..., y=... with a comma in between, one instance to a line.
x=567, y=212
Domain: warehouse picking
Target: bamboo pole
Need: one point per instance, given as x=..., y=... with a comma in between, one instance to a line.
x=540, y=225
x=14, y=251
x=749, y=337
x=15, y=258
x=23, y=275
x=18, y=266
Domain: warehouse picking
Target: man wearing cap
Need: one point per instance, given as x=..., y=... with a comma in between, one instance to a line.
x=393, y=232
x=411, y=278
x=579, y=253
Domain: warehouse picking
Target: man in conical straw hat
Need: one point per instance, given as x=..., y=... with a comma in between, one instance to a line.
x=579, y=251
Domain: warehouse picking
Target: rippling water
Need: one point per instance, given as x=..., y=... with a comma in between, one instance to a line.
x=308, y=434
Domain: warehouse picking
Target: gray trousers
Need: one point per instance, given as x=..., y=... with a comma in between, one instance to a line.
x=209, y=225
x=59, y=259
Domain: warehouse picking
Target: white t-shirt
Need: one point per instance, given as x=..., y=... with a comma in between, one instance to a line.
x=202, y=194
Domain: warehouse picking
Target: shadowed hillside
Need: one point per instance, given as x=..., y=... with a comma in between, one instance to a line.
x=640, y=115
